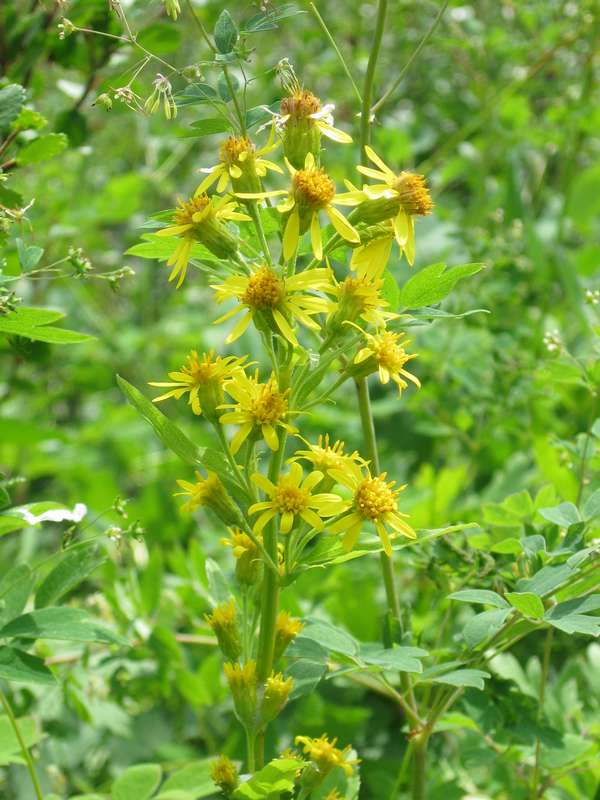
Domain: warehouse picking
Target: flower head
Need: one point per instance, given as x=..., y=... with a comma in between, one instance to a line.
x=359, y=298
x=264, y=295
x=277, y=691
x=286, y=630
x=259, y=408
x=209, y=492
x=293, y=497
x=400, y=197
x=325, y=755
x=373, y=500
x=225, y=775
x=384, y=351
x=242, y=683
x=248, y=562
x=241, y=165
x=202, y=379
x=311, y=191
x=325, y=456
x=223, y=621
x=200, y=219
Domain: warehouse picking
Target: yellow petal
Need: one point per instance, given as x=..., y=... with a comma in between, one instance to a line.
x=342, y=226
x=315, y=236
x=291, y=235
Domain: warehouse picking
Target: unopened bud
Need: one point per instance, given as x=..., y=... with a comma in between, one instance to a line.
x=286, y=630
x=277, y=692
x=223, y=621
x=225, y=775
x=242, y=683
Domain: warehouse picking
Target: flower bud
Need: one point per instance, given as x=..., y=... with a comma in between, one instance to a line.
x=238, y=154
x=172, y=8
x=65, y=28
x=248, y=561
x=301, y=134
x=210, y=492
x=286, y=630
x=242, y=684
x=104, y=100
x=223, y=621
x=225, y=775
x=276, y=694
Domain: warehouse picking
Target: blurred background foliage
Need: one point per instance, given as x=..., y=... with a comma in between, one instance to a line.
x=501, y=111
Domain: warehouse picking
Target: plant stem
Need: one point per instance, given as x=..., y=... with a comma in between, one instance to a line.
x=24, y=750
x=537, y=767
x=333, y=43
x=419, y=760
x=250, y=752
x=256, y=218
x=367, y=94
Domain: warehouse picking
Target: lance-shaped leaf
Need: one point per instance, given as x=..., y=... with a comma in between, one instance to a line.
x=66, y=624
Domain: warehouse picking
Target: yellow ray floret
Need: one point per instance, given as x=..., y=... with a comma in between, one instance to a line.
x=386, y=349
x=325, y=456
x=241, y=164
x=293, y=497
x=311, y=192
x=408, y=189
x=282, y=299
x=360, y=298
x=201, y=219
x=326, y=755
x=373, y=500
x=200, y=378
x=259, y=408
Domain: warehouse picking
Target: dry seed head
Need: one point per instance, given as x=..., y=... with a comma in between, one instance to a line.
x=264, y=290
x=300, y=104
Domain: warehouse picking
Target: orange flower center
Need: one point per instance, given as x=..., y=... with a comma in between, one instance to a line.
x=270, y=405
x=233, y=147
x=291, y=498
x=264, y=290
x=187, y=209
x=413, y=194
x=301, y=104
x=313, y=187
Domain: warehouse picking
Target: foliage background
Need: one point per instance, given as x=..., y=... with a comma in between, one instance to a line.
x=501, y=111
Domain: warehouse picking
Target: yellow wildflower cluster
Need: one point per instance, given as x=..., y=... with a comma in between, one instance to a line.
x=307, y=280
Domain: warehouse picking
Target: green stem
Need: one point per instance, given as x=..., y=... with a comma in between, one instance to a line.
x=419, y=762
x=250, y=751
x=24, y=750
x=537, y=767
x=256, y=218
x=337, y=50
x=238, y=109
x=367, y=94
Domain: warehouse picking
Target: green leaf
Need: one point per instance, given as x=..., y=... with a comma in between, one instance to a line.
x=431, y=284
x=66, y=624
x=271, y=781
x=42, y=149
x=225, y=32
x=176, y=440
x=527, y=603
x=207, y=127
x=307, y=675
x=463, y=677
x=32, y=323
x=29, y=255
x=564, y=514
x=20, y=667
x=401, y=659
x=71, y=570
x=137, y=783
x=10, y=747
x=591, y=507
x=570, y=616
x=8, y=524
x=193, y=779
x=12, y=98
x=197, y=93
x=484, y=596
x=482, y=626
x=390, y=291
x=546, y=580
x=162, y=248
x=333, y=639
x=15, y=588
x=169, y=434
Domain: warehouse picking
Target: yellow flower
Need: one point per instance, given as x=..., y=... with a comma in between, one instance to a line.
x=409, y=193
x=259, y=407
x=385, y=350
x=277, y=691
x=359, y=298
x=373, y=500
x=224, y=773
x=247, y=556
x=292, y=497
x=241, y=165
x=311, y=192
x=223, y=621
x=326, y=755
x=209, y=492
x=286, y=630
x=242, y=684
x=325, y=456
x=281, y=300
x=202, y=379
x=200, y=219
